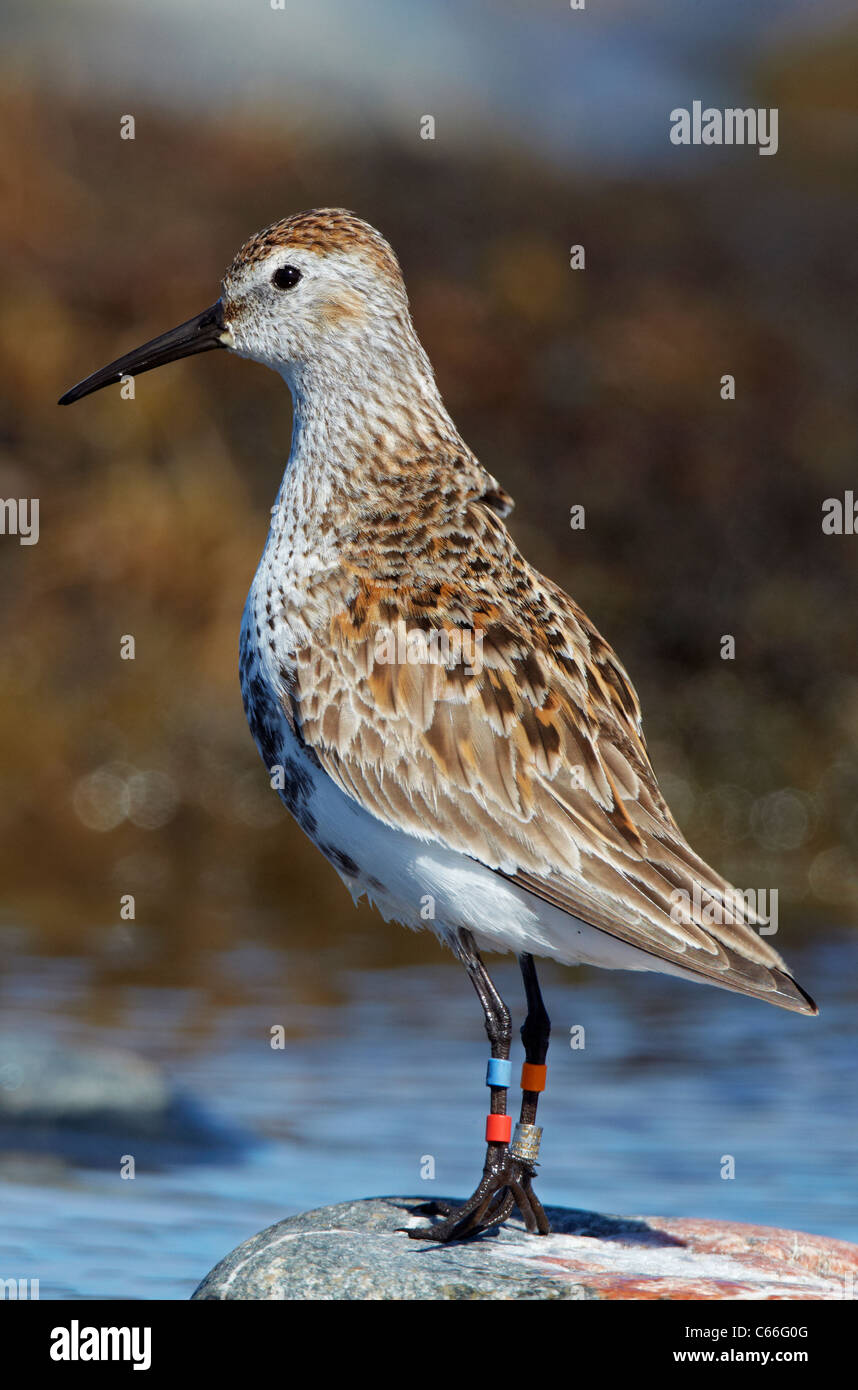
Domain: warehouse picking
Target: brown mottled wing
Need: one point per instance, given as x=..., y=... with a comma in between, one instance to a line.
x=527, y=756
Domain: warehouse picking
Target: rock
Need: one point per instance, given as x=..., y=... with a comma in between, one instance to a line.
x=89, y=1105
x=358, y=1250
x=44, y=1081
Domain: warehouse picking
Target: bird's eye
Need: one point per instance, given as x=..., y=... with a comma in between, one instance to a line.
x=286, y=277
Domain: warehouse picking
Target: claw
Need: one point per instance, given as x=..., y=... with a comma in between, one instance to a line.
x=499, y=1191
x=436, y=1206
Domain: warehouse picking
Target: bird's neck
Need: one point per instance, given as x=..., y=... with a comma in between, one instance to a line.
x=360, y=418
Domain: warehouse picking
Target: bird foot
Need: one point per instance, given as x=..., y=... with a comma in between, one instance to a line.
x=505, y=1185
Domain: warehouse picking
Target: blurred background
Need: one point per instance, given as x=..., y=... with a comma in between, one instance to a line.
x=598, y=388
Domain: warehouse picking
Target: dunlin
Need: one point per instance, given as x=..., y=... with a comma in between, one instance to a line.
x=445, y=723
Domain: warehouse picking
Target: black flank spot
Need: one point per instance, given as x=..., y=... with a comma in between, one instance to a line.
x=343, y=862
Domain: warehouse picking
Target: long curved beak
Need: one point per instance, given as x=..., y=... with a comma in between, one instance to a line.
x=201, y=334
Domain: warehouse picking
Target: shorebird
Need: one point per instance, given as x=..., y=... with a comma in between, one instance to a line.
x=445, y=723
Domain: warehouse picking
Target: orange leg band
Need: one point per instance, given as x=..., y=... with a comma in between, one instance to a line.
x=533, y=1077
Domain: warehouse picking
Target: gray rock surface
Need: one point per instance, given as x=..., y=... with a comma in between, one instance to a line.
x=88, y=1105
x=43, y=1080
x=359, y=1250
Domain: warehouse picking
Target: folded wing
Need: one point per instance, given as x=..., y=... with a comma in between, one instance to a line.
x=474, y=704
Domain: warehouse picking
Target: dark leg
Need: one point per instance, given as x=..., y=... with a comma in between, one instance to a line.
x=506, y=1180
x=535, y=1032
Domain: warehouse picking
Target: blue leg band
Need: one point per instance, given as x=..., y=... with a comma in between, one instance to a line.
x=498, y=1072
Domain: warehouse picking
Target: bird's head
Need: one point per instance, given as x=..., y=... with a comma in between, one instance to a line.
x=321, y=288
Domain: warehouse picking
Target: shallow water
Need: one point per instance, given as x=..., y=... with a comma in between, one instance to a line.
x=672, y=1078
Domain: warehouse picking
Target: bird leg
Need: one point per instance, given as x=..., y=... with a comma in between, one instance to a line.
x=507, y=1174
x=535, y=1032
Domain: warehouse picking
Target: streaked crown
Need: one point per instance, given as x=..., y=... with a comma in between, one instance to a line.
x=323, y=231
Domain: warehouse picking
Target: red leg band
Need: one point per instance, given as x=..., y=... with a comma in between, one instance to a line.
x=498, y=1129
